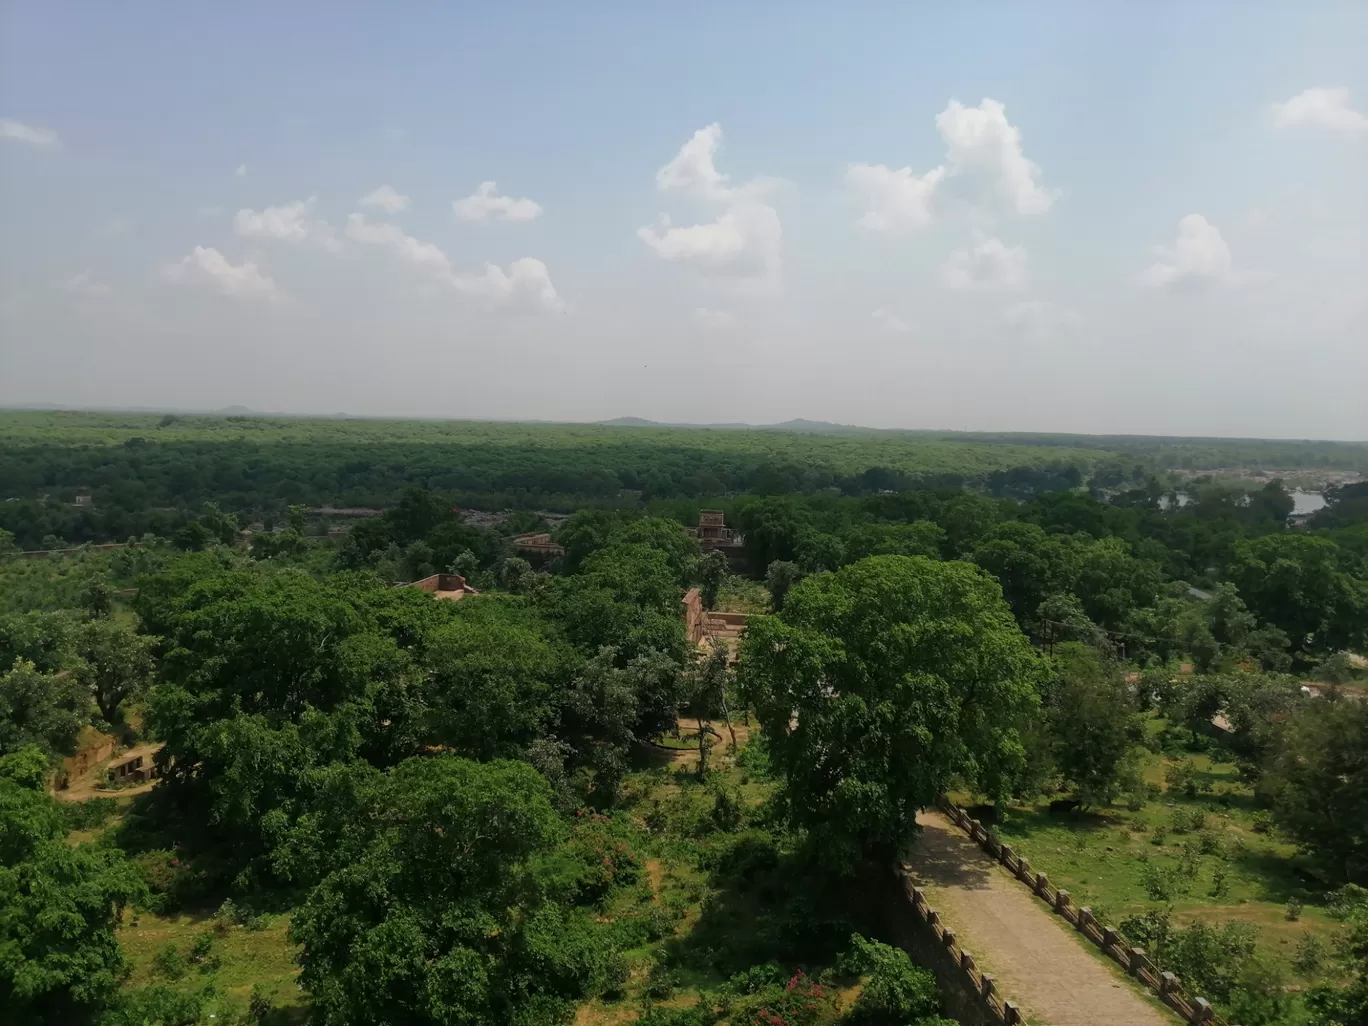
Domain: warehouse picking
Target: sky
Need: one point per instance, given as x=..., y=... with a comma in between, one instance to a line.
x=1094, y=217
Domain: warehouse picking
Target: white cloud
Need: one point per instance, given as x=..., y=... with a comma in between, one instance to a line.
x=485, y=203
x=1039, y=320
x=16, y=131
x=1323, y=108
x=421, y=254
x=896, y=200
x=990, y=264
x=693, y=168
x=980, y=139
x=744, y=242
x=84, y=285
x=980, y=144
x=241, y=171
x=207, y=266
x=1200, y=256
x=714, y=320
x=890, y=321
x=385, y=198
x=288, y=222
x=525, y=282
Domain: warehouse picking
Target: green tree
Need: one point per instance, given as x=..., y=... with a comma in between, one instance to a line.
x=60, y=961
x=117, y=663
x=491, y=677
x=771, y=529
x=1317, y=782
x=433, y=914
x=1295, y=582
x=1092, y=720
x=97, y=598
x=40, y=709
x=879, y=683
x=1029, y=564
x=779, y=578
x=712, y=573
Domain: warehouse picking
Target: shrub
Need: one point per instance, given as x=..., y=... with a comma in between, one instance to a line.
x=1346, y=900
x=1263, y=822
x=1294, y=909
x=1208, y=843
x=1183, y=778
x=661, y=981
x=88, y=815
x=895, y=990
x=1310, y=955
x=1184, y=820
x=170, y=963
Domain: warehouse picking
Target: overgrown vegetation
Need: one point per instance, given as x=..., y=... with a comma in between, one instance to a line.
x=540, y=803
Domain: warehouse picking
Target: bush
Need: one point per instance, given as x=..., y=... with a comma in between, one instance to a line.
x=1183, y=778
x=89, y=815
x=895, y=990
x=1310, y=956
x=1263, y=822
x=170, y=963
x=1294, y=909
x=1346, y=900
x=157, y=1005
x=1184, y=820
x=661, y=981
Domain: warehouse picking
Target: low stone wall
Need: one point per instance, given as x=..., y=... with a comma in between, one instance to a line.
x=1132, y=959
x=969, y=994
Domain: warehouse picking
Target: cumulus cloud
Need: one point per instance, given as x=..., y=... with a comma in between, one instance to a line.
x=486, y=204
x=1198, y=257
x=525, y=282
x=743, y=242
x=241, y=171
x=1322, y=108
x=981, y=139
x=425, y=255
x=892, y=322
x=894, y=200
x=84, y=285
x=714, y=320
x=206, y=266
x=981, y=144
x=16, y=131
x=289, y=222
x=989, y=264
x=385, y=198
x=1040, y=320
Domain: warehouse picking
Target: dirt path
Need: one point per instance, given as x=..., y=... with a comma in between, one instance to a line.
x=1036, y=959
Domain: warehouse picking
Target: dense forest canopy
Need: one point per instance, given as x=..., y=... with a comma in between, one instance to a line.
x=458, y=811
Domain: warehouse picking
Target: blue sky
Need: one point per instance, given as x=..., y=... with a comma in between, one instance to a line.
x=1114, y=217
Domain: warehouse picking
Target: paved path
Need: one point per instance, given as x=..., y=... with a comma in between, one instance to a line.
x=1036, y=958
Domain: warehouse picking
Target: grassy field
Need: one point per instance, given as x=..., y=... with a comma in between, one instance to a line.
x=1200, y=849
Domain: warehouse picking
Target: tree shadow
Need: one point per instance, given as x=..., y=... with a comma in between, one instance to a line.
x=770, y=906
x=1284, y=877
x=948, y=858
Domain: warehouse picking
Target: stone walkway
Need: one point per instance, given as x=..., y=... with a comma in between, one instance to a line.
x=1038, y=961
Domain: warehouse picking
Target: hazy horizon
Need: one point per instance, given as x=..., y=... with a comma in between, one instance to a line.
x=1089, y=219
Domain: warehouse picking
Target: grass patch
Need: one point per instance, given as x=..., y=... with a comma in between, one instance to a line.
x=1201, y=848
x=231, y=960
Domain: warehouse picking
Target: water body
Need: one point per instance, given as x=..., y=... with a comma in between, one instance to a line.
x=1307, y=502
